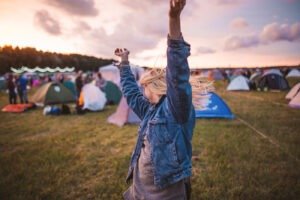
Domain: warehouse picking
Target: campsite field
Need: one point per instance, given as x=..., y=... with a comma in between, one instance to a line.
x=83, y=157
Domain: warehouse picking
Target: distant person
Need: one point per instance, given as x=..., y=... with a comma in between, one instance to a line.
x=160, y=165
x=22, y=88
x=79, y=83
x=11, y=86
x=88, y=78
x=100, y=81
x=61, y=78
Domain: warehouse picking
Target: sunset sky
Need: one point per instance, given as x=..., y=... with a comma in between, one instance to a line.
x=221, y=32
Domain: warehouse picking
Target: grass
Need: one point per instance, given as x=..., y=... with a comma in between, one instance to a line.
x=83, y=157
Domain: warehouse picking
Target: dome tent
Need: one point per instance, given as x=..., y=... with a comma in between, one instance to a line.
x=113, y=93
x=293, y=73
x=215, y=108
x=52, y=93
x=272, y=80
x=71, y=86
x=112, y=73
x=239, y=83
x=93, y=98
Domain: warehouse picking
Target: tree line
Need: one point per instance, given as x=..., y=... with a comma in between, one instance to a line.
x=30, y=57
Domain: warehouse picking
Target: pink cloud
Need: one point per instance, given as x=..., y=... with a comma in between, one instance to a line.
x=75, y=7
x=271, y=33
x=236, y=42
x=228, y=2
x=239, y=23
x=45, y=21
x=204, y=50
x=280, y=32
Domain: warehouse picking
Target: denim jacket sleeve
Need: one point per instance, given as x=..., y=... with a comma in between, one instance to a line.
x=135, y=99
x=179, y=92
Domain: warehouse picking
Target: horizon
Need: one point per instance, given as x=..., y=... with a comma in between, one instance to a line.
x=226, y=33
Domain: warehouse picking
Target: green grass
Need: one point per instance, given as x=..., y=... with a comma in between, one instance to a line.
x=83, y=157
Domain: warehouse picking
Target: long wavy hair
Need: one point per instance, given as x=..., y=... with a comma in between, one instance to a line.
x=155, y=79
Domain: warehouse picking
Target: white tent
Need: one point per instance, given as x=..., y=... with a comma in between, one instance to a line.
x=295, y=102
x=94, y=99
x=272, y=71
x=239, y=83
x=293, y=92
x=112, y=73
x=294, y=73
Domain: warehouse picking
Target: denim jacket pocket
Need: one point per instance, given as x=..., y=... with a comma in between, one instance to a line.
x=159, y=130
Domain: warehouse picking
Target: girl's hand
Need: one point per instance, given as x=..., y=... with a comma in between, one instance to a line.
x=176, y=6
x=122, y=53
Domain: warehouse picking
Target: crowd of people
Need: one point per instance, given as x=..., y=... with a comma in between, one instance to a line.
x=18, y=85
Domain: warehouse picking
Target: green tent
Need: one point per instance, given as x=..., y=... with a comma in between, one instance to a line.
x=71, y=86
x=113, y=93
x=53, y=93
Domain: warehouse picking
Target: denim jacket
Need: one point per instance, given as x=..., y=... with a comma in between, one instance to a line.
x=168, y=125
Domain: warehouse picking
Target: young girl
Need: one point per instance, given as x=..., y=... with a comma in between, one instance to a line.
x=161, y=165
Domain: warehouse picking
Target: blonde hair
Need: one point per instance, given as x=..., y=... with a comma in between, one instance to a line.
x=155, y=79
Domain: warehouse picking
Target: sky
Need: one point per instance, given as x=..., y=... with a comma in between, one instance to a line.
x=222, y=33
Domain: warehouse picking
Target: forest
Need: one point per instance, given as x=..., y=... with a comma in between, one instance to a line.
x=30, y=57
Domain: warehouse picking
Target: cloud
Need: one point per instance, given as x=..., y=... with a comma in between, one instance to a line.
x=139, y=5
x=45, y=21
x=236, y=42
x=228, y=2
x=271, y=33
x=82, y=26
x=204, y=50
x=139, y=27
x=280, y=32
x=75, y=7
x=239, y=23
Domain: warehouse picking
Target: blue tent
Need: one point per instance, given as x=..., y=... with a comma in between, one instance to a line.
x=216, y=108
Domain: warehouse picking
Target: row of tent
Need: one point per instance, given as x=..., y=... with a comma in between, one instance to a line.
x=221, y=74
x=94, y=99
x=270, y=80
x=91, y=97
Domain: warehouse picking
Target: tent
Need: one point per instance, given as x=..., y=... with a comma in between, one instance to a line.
x=123, y=115
x=293, y=73
x=272, y=80
x=113, y=93
x=216, y=108
x=239, y=83
x=273, y=71
x=295, y=102
x=112, y=73
x=71, y=86
x=293, y=92
x=93, y=98
x=254, y=79
x=52, y=93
